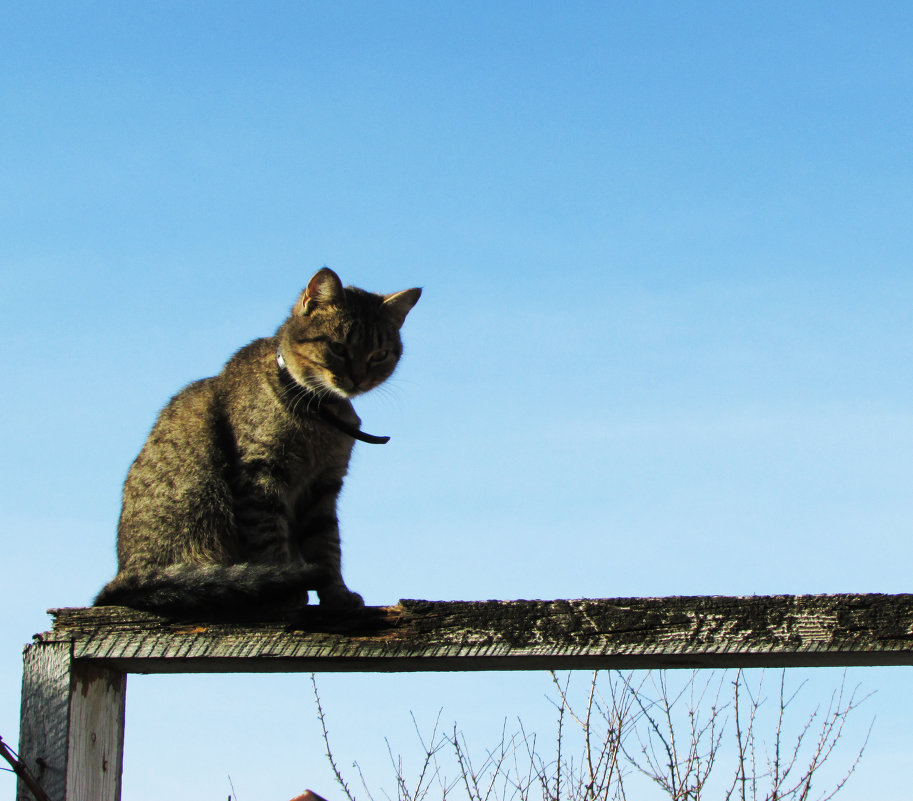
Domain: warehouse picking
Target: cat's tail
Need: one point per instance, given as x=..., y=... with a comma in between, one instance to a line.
x=214, y=590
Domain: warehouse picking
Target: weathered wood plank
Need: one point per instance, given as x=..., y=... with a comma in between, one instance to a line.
x=698, y=631
x=96, y=750
x=44, y=721
x=72, y=725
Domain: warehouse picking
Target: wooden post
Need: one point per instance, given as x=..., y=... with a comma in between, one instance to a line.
x=44, y=724
x=71, y=733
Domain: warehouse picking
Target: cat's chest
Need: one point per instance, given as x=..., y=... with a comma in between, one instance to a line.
x=296, y=450
x=305, y=472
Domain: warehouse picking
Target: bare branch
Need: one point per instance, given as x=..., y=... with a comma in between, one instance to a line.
x=23, y=772
x=326, y=741
x=679, y=734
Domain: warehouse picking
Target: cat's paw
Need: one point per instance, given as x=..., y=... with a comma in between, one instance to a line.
x=340, y=598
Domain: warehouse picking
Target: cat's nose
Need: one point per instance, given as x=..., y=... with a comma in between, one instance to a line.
x=350, y=384
x=359, y=377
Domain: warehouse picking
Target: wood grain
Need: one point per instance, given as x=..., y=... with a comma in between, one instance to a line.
x=95, y=756
x=690, y=631
x=44, y=725
x=71, y=732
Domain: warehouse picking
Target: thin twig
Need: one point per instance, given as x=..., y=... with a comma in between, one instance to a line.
x=326, y=741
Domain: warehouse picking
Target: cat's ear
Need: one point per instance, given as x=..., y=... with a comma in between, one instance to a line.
x=399, y=304
x=323, y=289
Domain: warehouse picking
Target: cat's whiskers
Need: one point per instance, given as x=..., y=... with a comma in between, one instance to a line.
x=306, y=395
x=292, y=394
x=316, y=386
x=314, y=390
x=388, y=394
x=300, y=395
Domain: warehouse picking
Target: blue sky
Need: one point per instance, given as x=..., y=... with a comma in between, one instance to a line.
x=663, y=346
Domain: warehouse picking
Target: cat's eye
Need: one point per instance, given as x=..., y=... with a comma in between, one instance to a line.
x=338, y=348
x=379, y=355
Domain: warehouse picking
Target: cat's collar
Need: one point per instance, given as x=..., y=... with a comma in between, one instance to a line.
x=325, y=414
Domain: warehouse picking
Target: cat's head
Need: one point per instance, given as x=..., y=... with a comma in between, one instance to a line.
x=343, y=340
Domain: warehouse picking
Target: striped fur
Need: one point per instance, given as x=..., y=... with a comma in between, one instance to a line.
x=230, y=507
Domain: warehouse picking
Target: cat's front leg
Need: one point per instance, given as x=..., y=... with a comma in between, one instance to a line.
x=265, y=538
x=339, y=598
x=316, y=532
x=261, y=523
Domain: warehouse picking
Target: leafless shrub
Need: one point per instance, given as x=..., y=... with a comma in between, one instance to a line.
x=788, y=771
x=678, y=757
x=673, y=737
x=428, y=776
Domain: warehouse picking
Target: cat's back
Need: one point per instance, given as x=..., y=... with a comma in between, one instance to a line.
x=240, y=381
x=197, y=419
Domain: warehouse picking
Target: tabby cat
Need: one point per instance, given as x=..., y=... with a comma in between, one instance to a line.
x=230, y=507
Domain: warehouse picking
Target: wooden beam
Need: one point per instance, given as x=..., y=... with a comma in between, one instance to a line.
x=74, y=681
x=624, y=633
